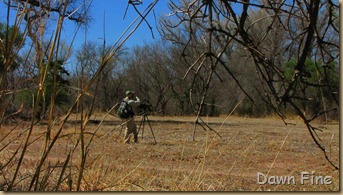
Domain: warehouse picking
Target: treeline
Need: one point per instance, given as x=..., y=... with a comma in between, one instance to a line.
x=157, y=73
x=166, y=73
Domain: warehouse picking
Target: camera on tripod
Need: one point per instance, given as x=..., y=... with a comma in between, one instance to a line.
x=144, y=108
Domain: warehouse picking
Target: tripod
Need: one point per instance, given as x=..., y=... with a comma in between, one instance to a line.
x=142, y=124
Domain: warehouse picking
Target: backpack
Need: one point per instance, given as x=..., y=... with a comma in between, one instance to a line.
x=125, y=110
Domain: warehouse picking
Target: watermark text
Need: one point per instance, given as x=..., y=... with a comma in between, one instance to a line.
x=303, y=178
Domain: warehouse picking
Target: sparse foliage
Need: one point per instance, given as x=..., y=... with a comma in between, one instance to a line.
x=251, y=57
x=42, y=79
x=291, y=30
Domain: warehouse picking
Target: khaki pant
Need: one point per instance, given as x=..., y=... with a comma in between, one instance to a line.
x=131, y=128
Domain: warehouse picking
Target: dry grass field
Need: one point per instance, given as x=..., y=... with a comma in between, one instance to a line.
x=247, y=146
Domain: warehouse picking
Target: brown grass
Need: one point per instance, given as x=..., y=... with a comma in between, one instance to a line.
x=176, y=163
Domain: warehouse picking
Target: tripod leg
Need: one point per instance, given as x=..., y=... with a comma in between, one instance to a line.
x=152, y=132
x=140, y=125
x=143, y=121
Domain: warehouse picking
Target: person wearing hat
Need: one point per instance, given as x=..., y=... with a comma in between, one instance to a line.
x=133, y=101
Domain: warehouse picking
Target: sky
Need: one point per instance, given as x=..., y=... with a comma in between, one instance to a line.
x=109, y=14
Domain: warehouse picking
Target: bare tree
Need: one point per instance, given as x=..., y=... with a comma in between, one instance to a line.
x=35, y=17
x=227, y=24
x=107, y=86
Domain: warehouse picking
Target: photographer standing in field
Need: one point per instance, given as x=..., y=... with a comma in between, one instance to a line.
x=132, y=101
